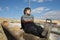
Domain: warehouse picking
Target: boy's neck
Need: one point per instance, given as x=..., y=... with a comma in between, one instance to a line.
x=27, y=14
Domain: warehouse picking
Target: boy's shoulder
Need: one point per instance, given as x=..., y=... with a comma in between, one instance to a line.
x=32, y=16
x=22, y=15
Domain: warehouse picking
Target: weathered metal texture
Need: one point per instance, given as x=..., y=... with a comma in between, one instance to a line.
x=18, y=33
x=2, y=34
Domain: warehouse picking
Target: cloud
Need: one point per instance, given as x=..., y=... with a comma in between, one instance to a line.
x=7, y=8
x=16, y=7
x=0, y=9
x=41, y=0
x=55, y=15
x=40, y=9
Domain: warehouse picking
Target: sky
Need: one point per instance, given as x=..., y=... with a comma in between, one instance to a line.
x=41, y=9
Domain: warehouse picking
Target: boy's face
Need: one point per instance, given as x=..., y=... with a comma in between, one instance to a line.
x=28, y=11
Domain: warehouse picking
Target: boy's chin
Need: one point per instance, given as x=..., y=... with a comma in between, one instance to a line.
x=28, y=14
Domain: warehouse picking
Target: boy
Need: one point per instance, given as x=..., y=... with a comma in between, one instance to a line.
x=28, y=25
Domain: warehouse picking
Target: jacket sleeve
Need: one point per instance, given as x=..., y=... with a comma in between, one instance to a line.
x=22, y=25
x=33, y=18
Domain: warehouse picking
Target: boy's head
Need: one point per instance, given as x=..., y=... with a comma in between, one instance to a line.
x=27, y=10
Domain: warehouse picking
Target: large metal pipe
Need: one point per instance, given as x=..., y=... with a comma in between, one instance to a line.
x=2, y=34
x=14, y=29
x=19, y=34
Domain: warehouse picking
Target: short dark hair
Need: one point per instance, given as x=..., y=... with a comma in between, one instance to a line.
x=27, y=8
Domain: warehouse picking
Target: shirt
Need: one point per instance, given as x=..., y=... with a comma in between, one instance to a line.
x=27, y=18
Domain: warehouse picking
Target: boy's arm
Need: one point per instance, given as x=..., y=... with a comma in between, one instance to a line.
x=33, y=18
x=21, y=22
